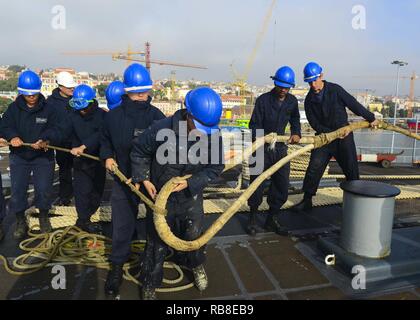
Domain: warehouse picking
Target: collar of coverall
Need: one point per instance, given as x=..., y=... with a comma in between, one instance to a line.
x=316, y=97
x=21, y=103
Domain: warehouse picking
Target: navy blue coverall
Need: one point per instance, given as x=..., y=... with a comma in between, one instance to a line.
x=89, y=175
x=121, y=126
x=185, y=208
x=31, y=125
x=326, y=112
x=273, y=115
x=64, y=159
x=2, y=200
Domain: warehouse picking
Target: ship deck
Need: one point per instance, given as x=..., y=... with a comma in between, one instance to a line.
x=266, y=267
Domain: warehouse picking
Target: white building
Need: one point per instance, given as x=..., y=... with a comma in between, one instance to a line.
x=48, y=78
x=231, y=101
x=168, y=108
x=3, y=72
x=181, y=94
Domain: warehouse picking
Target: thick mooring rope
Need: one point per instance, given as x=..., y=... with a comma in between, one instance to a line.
x=72, y=246
x=316, y=142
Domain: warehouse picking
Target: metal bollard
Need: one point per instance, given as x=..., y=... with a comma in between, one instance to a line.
x=368, y=216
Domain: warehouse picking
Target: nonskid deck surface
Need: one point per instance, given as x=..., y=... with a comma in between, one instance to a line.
x=268, y=266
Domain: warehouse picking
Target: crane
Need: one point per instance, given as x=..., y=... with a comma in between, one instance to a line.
x=128, y=56
x=241, y=79
x=413, y=79
x=148, y=61
x=173, y=81
x=260, y=38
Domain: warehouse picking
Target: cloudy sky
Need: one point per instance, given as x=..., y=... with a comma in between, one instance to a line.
x=216, y=33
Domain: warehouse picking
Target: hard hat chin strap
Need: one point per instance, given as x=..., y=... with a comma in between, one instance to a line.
x=313, y=77
x=279, y=80
x=202, y=122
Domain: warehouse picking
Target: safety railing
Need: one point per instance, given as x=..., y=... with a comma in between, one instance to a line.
x=407, y=151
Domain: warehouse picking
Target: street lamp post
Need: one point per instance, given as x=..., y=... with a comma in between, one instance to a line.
x=399, y=64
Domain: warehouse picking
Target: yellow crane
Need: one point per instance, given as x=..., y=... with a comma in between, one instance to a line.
x=241, y=79
x=128, y=55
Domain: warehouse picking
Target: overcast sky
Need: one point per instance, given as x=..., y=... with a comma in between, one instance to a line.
x=215, y=33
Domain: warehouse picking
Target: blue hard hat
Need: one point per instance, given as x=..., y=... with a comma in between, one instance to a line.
x=205, y=106
x=83, y=95
x=285, y=77
x=312, y=72
x=137, y=79
x=29, y=83
x=113, y=94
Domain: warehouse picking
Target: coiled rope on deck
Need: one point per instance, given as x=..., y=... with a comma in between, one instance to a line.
x=72, y=246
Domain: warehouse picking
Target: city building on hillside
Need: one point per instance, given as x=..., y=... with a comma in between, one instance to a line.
x=231, y=101
x=168, y=108
x=48, y=78
x=3, y=72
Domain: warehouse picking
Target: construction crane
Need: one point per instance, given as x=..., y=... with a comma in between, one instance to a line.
x=241, y=79
x=128, y=56
x=413, y=79
x=148, y=61
x=411, y=98
x=173, y=81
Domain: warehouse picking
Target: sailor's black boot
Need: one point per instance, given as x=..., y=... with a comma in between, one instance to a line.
x=21, y=226
x=44, y=222
x=148, y=293
x=304, y=205
x=89, y=227
x=272, y=224
x=114, y=280
x=200, y=278
x=251, y=227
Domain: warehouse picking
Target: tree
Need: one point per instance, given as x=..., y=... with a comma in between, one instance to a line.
x=100, y=89
x=16, y=68
x=192, y=85
x=391, y=109
x=167, y=84
x=403, y=113
x=159, y=95
x=9, y=84
x=4, y=103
